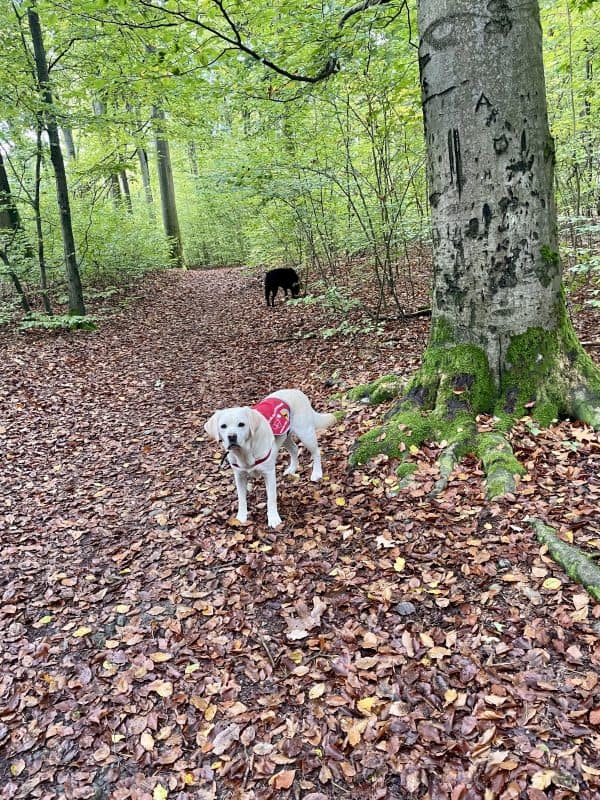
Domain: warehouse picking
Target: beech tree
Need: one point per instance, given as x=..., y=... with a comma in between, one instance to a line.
x=501, y=341
x=75, y=291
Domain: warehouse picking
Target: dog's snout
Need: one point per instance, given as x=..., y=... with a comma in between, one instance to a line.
x=232, y=438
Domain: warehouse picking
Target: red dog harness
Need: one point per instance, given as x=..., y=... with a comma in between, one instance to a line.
x=277, y=414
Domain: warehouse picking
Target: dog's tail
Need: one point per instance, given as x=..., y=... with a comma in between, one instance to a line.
x=323, y=420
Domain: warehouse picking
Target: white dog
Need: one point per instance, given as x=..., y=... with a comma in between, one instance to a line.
x=252, y=438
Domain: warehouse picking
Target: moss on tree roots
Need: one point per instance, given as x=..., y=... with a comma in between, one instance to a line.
x=546, y=375
x=577, y=565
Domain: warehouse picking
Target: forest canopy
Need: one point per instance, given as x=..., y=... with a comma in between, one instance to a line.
x=271, y=163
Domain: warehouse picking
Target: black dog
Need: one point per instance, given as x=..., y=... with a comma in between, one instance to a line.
x=286, y=277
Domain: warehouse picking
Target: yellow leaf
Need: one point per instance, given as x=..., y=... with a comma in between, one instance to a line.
x=162, y=688
x=426, y=640
x=147, y=741
x=82, y=631
x=296, y=656
x=551, y=583
x=589, y=770
x=188, y=778
x=399, y=564
x=356, y=730
x=413, y=449
x=316, y=691
x=45, y=620
x=117, y=737
x=160, y=793
x=158, y=657
x=122, y=608
x=450, y=695
x=191, y=668
x=366, y=704
x=542, y=779
x=17, y=767
x=340, y=501
x=439, y=652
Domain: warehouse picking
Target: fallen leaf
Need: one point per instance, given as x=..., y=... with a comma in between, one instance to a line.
x=283, y=779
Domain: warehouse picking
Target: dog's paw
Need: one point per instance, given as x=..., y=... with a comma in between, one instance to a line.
x=242, y=517
x=290, y=471
x=274, y=521
x=316, y=476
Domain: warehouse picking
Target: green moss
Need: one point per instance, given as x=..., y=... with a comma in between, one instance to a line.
x=550, y=256
x=463, y=378
x=548, y=268
x=393, y=439
x=441, y=333
x=532, y=375
x=385, y=388
x=545, y=413
x=460, y=430
x=499, y=463
x=406, y=469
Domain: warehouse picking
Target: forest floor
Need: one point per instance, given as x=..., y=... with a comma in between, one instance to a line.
x=377, y=645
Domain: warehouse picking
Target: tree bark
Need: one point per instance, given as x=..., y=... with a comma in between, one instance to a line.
x=167, y=189
x=145, y=173
x=126, y=191
x=490, y=168
x=10, y=221
x=67, y=134
x=501, y=342
x=75, y=290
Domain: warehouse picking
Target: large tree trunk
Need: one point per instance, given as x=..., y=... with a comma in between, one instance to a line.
x=501, y=342
x=167, y=189
x=75, y=291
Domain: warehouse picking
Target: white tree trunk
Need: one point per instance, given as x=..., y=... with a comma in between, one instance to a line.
x=490, y=161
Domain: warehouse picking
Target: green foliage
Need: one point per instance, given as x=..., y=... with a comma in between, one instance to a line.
x=58, y=322
x=267, y=171
x=117, y=246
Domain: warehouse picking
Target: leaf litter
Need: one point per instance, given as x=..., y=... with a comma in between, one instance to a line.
x=380, y=644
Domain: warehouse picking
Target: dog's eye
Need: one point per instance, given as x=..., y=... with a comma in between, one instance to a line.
x=223, y=426
x=241, y=424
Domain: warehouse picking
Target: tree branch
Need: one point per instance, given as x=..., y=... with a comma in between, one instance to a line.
x=356, y=9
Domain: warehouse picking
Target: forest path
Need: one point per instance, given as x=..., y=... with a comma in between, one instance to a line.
x=375, y=644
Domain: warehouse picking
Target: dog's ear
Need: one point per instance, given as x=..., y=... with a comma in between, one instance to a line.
x=211, y=427
x=255, y=421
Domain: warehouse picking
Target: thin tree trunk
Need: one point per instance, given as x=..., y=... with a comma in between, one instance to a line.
x=145, y=173
x=126, y=191
x=67, y=135
x=10, y=221
x=38, y=219
x=193, y=159
x=167, y=189
x=76, y=303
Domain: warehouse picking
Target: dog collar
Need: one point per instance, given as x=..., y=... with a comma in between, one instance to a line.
x=256, y=463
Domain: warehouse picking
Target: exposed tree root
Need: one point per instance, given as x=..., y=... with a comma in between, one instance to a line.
x=578, y=566
x=547, y=376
